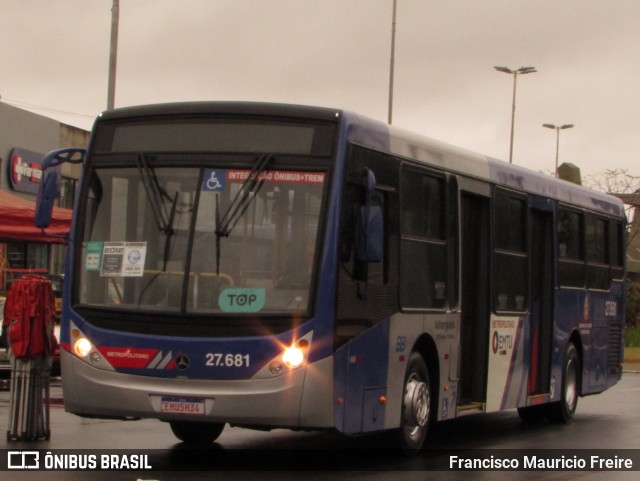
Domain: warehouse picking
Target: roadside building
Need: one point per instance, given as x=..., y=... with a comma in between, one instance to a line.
x=25, y=138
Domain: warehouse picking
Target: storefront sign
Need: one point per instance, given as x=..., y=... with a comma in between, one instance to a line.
x=25, y=170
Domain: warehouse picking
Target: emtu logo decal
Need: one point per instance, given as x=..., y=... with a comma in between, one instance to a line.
x=501, y=342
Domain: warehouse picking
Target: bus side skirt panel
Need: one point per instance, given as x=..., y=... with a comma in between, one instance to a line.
x=317, y=406
x=360, y=374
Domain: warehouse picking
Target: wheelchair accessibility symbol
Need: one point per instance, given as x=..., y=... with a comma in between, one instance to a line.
x=215, y=180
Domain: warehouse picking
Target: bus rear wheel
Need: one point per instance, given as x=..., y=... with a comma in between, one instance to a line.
x=196, y=433
x=416, y=405
x=563, y=410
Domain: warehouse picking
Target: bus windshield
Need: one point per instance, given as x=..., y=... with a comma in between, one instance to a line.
x=199, y=239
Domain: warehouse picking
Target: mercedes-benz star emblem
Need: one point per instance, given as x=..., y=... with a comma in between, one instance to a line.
x=182, y=362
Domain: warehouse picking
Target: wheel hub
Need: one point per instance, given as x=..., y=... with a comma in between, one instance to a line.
x=416, y=402
x=571, y=386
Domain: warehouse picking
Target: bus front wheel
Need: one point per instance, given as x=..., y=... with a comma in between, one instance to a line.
x=563, y=410
x=197, y=433
x=416, y=404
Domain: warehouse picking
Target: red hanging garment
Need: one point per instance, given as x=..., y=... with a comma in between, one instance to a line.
x=28, y=312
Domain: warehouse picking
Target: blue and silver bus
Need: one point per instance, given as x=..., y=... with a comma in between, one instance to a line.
x=279, y=266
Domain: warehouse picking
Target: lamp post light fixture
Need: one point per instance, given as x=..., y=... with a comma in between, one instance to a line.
x=515, y=73
x=558, y=129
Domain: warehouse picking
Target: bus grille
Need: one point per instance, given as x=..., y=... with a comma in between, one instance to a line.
x=614, y=356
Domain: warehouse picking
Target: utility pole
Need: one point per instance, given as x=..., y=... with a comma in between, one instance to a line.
x=391, y=66
x=113, y=56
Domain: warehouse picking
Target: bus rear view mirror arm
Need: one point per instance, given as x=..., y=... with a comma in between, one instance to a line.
x=48, y=188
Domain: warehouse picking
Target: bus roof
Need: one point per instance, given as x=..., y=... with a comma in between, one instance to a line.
x=223, y=108
x=434, y=153
x=396, y=141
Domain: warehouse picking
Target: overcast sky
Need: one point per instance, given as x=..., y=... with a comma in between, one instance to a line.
x=54, y=57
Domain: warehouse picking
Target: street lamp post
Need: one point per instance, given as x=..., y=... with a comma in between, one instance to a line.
x=521, y=71
x=392, y=62
x=113, y=54
x=557, y=129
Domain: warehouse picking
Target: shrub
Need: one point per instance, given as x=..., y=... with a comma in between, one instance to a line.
x=632, y=336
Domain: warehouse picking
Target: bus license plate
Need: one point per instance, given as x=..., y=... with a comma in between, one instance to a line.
x=176, y=405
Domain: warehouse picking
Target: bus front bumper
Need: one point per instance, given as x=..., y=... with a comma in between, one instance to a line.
x=299, y=399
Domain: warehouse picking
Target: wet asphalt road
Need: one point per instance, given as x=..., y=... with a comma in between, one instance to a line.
x=609, y=421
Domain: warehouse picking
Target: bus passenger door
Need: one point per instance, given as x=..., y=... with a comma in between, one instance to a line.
x=542, y=286
x=475, y=302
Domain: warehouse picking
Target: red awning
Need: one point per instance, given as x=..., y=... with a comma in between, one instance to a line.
x=16, y=221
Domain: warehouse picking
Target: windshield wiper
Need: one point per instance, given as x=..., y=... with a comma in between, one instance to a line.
x=164, y=217
x=169, y=231
x=240, y=203
x=157, y=196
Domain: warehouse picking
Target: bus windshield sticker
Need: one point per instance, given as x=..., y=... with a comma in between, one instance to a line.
x=242, y=299
x=215, y=180
x=123, y=259
x=93, y=256
x=292, y=177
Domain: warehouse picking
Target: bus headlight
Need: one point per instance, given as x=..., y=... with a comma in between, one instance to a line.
x=82, y=347
x=293, y=357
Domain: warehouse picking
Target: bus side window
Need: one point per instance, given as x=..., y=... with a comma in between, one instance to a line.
x=424, y=246
x=617, y=250
x=597, y=247
x=571, y=268
x=511, y=273
x=367, y=290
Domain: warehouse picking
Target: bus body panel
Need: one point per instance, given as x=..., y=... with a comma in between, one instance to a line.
x=371, y=385
x=361, y=381
x=192, y=358
x=274, y=402
x=508, y=366
x=596, y=318
x=317, y=405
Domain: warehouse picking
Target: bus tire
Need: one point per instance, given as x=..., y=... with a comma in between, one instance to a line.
x=563, y=410
x=416, y=405
x=196, y=433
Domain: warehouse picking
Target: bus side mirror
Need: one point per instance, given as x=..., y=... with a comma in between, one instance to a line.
x=370, y=225
x=48, y=188
x=47, y=193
